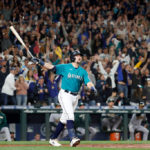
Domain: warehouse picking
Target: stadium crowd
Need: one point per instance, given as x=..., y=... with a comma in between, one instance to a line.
x=113, y=36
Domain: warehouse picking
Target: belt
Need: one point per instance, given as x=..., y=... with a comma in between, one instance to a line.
x=73, y=93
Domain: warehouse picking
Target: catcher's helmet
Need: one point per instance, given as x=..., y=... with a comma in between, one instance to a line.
x=73, y=54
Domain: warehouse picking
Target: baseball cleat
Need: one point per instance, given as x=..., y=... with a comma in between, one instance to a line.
x=54, y=142
x=74, y=142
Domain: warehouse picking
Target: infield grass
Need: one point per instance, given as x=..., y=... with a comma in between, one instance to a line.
x=43, y=145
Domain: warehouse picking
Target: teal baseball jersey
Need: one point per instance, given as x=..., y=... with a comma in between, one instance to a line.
x=72, y=78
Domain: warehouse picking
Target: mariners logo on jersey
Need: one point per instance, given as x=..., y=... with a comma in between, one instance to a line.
x=72, y=76
x=75, y=76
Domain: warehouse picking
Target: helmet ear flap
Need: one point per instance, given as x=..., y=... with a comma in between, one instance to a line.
x=72, y=57
x=73, y=54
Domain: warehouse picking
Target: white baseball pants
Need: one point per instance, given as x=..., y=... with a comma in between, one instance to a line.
x=5, y=130
x=68, y=104
x=132, y=129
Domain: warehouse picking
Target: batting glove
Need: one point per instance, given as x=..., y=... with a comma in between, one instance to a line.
x=38, y=61
x=94, y=90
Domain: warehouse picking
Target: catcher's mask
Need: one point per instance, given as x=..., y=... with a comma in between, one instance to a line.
x=73, y=54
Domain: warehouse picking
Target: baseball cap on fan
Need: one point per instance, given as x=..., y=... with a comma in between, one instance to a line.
x=12, y=68
x=110, y=99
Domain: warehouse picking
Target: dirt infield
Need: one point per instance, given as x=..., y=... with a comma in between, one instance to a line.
x=88, y=145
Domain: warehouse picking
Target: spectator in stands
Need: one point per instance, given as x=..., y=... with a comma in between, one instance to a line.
x=101, y=87
x=145, y=72
x=86, y=66
x=114, y=95
x=122, y=79
x=37, y=137
x=146, y=91
x=53, y=88
x=43, y=26
x=29, y=77
x=135, y=124
x=24, y=68
x=21, y=91
x=137, y=96
x=111, y=122
x=41, y=92
x=7, y=10
x=88, y=97
x=31, y=99
x=9, y=88
x=35, y=75
x=15, y=61
x=121, y=100
x=4, y=127
x=136, y=80
x=109, y=72
x=4, y=71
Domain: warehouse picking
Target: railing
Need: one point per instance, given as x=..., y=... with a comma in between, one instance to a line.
x=124, y=110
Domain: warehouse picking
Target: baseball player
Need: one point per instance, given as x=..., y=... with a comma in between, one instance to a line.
x=73, y=75
x=3, y=126
x=135, y=124
x=111, y=121
x=80, y=124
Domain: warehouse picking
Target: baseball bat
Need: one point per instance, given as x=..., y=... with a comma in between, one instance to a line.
x=20, y=40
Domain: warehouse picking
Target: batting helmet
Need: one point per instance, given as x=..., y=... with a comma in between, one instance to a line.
x=73, y=54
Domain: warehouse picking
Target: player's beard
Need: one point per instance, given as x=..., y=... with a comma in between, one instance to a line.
x=79, y=61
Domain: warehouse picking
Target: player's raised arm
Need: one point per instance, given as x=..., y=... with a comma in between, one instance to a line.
x=42, y=63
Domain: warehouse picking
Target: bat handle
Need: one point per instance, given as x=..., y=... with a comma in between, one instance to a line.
x=28, y=51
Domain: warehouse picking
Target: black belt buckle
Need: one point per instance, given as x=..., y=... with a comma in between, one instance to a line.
x=73, y=93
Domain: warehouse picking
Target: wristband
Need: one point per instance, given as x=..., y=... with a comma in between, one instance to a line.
x=41, y=62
